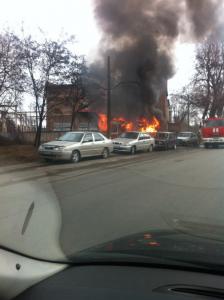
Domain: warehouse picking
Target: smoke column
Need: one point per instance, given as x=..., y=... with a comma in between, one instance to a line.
x=139, y=35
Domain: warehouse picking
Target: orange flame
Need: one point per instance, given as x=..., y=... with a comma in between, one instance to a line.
x=125, y=124
x=102, y=122
x=129, y=126
x=149, y=126
x=144, y=125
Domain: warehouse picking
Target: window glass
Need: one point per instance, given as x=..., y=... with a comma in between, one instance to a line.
x=141, y=137
x=71, y=137
x=129, y=135
x=215, y=123
x=88, y=137
x=98, y=137
x=184, y=134
x=162, y=135
x=147, y=136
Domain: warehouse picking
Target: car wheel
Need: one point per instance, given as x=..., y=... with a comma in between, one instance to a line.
x=133, y=150
x=195, y=144
x=150, y=149
x=47, y=160
x=105, y=153
x=75, y=158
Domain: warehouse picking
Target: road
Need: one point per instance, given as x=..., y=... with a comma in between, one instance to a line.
x=100, y=200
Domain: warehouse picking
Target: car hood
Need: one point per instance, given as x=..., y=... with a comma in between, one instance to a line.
x=123, y=140
x=182, y=138
x=187, y=242
x=59, y=143
x=161, y=140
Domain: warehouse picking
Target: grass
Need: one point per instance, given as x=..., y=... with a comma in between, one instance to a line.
x=10, y=154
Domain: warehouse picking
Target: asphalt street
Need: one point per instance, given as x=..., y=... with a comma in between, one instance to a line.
x=148, y=192
x=100, y=200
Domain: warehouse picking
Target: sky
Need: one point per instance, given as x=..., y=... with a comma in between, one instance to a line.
x=76, y=17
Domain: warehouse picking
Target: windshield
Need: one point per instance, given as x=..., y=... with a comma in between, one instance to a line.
x=71, y=137
x=184, y=134
x=162, y=135
x=129, y=135
x=92, y=96
x=215, y=123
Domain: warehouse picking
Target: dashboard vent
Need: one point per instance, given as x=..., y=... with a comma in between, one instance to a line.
x=192, y=290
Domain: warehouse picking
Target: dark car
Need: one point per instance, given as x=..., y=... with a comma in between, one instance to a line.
x=187, y=139
x=165, y=140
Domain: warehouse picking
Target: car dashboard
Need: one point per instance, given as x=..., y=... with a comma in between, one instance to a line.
x=125, y=282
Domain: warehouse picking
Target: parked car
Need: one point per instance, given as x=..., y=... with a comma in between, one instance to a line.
x=134, y=141
x=75, y=145
x=165, y=140
x=187, y=139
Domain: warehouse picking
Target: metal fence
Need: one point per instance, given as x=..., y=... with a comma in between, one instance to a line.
x=46, y=136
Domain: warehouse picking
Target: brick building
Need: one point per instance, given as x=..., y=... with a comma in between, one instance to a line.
x=164, y=106
x=61, y=101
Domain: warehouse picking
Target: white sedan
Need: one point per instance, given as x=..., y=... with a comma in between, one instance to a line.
x=134, y=141
x=75, y=145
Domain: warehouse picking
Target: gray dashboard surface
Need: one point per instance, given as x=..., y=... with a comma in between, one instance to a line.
x=118, y=282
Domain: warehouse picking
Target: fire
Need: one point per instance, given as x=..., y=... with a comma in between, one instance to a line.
x=129, y=126
x=102, y=122
x=149, y=126
x=143, y=124
x=125, y=124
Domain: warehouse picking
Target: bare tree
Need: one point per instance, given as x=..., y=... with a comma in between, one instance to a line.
x=185, y=105
x=209, y=77
x=76, y=75
x=45, y=62
x=11, y=70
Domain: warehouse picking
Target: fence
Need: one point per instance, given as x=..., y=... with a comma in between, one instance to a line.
x=46, y=136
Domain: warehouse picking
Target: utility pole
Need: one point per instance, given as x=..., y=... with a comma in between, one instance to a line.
x=108, y=98
x=188, y=114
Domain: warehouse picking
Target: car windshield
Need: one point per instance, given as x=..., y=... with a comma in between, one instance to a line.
x=184, y=134
x=71, y=137
x=162, y=135
x=215, y=123
x=82, y=86
x=129, y=135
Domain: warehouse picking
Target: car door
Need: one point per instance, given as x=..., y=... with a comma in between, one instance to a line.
x=99, y=143
x=141, y=142
x=88, y=148
x=148, y=141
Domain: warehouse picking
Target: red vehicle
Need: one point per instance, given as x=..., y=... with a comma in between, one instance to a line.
x=213, y=132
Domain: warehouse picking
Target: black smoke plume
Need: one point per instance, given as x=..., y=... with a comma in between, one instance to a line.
x=139, y=36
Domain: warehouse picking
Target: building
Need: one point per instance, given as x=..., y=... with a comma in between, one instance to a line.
x=64, y=105
x=67, y=110
x=164, y=106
